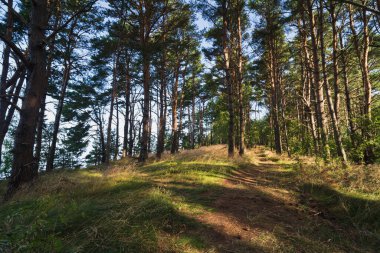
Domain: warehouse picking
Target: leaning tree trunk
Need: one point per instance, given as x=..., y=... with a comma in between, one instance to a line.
x=4, y=73
x=58, y=114
x=24, y=167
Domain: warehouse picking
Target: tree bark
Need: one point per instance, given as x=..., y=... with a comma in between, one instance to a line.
x=116, y=153
x=58, y=114
x=320, y=110
x=127, y=105
x=145, y=119
x=333, y=16
x=337, y=136
x=113, y=96
x=352, y=128
x=24, y=167
x=228, y=81
x=240, y=85
x=174, y=146
x=4, y=73
x=163, y=109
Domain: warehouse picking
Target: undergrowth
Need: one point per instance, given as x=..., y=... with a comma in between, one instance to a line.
x=154, y=207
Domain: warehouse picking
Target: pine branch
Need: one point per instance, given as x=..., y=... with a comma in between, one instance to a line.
x=370, y=9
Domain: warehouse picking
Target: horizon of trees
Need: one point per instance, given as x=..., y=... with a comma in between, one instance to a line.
x=120, y=78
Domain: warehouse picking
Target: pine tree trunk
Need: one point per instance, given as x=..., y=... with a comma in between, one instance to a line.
x=131, y=130
x=320, y=110
x=127, y=105
x=65, y=82
x=145, y=119
x=228, y=82
x=24, y=167
x=240, y=85
x=113, y=96
x=193, y=121
x=335, y=60
x=174, y=146
x=116, y=154
x=337, y=135
x=163, y=110
x=366, y=81
x=4, y=74
x=352, y=129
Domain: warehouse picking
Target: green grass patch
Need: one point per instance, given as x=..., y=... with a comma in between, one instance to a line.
x=358, y=209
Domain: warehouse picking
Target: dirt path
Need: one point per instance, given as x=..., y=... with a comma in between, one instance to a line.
x=261, y=210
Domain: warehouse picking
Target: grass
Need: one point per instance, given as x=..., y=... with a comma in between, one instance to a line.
x=349, y=195
x=185, y=203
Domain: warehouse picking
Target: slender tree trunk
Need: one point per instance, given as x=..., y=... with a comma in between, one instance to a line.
x=10, y=113
x=163, y=110
x=274, y=94
x=228, y=81
x=113, y=96
x=24, y=167
x=333, y=15
x=366, y=81
x=4, y=74
x=100, y=123
x=193, y=121
x=240, y=85
x=150, y=127
x=181, y=110
x=337, y=135
x=131, y=131
x=308, y=91
x=351, y=124
x=320, y=110
x=200, y=137
x=127, y=105
x=65, y=82
x=145, y=119
x=174, y=147
x=116, y=154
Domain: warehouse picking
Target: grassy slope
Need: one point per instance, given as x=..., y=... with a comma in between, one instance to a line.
x=197, y=201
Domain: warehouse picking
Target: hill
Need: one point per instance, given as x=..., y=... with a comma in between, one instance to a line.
x=197, y=201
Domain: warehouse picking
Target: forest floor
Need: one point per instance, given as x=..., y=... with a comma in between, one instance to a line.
x=198, y=201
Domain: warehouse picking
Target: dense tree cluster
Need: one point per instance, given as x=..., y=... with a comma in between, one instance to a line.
x=85, y=82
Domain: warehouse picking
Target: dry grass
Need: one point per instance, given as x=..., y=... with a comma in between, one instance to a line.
x=196, y=201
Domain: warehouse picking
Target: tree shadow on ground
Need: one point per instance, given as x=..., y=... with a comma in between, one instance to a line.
x=255, y=209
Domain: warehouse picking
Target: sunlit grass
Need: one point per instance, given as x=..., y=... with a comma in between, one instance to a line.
x=154, y=207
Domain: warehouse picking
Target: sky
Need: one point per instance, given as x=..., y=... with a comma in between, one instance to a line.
x=201, y=23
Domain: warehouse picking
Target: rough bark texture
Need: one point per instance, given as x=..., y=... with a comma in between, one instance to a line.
x=228, y=81
x=4, y=73
x=163, y=109
x=24, y=167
